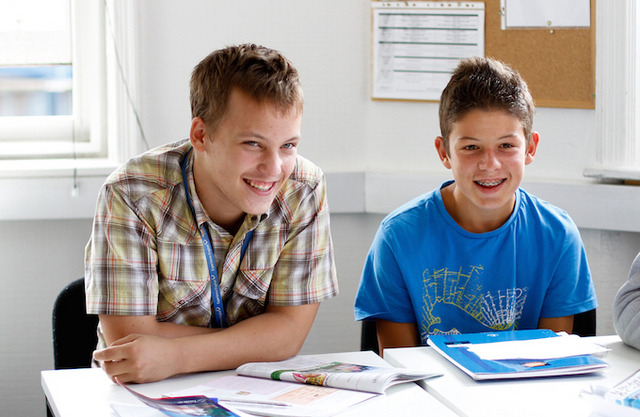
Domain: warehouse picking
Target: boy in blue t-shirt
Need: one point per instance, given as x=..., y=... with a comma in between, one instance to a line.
x=478, y=254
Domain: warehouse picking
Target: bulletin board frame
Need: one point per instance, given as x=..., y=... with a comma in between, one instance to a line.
x=558, y=64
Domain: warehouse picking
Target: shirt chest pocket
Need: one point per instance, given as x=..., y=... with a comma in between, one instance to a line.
x=183, y=278
x=253, y=284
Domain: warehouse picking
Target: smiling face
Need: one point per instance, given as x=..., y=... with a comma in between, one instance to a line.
x=487, y=155
x=241, y=165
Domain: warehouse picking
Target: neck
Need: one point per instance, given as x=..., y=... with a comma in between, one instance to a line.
x=232, y=228
x=477, y=221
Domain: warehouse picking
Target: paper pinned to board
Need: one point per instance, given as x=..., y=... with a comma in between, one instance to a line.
x=540, y=349
x=545, y=14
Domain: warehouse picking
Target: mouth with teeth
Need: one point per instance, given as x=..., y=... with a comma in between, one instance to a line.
x=260, y=186
x=490, y=183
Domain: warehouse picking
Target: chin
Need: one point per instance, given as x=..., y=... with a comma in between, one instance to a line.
x=258, y=209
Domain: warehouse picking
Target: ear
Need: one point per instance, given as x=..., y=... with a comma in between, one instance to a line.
x=198, y=134
x=532, y=148
x=442, y=152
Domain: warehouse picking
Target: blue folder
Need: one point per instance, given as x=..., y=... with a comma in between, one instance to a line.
x=455, y=349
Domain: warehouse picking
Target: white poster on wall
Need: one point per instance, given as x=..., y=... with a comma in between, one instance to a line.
x=416, y=46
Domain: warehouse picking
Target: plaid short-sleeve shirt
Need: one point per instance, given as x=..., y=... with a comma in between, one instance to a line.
x=146, y=257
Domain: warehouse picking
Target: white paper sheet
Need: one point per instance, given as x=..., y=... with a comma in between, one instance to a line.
x=545, y=13
x=539, y=349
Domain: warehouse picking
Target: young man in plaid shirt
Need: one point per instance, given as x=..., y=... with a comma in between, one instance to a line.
x=214, y=251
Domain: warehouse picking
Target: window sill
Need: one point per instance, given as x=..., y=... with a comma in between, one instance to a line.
x=48, y=168
x=51, y=189
x=590, y=204
x=619, y=175
x=47, y=192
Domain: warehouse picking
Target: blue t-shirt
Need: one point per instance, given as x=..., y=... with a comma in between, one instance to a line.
x=424, y=268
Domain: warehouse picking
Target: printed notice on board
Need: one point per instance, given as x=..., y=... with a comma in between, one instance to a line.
x=417, y=45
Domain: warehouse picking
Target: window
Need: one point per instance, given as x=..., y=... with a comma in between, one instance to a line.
x=55, y=155
x=52, y=72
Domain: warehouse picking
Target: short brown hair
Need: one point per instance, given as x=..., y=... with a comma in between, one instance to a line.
x=489, y=84
x=262, y=73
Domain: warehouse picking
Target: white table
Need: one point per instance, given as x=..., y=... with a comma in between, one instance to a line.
x=89, y=392
x=547, y=397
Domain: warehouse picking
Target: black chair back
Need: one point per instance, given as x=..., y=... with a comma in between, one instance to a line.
x=74, y=331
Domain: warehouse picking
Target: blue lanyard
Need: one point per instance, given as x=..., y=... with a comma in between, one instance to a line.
x=217, y=305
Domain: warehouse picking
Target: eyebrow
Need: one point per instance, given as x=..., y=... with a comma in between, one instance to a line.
x=507, y=136
x=251, y=134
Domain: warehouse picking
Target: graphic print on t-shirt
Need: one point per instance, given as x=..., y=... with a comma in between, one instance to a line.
x=462, y=289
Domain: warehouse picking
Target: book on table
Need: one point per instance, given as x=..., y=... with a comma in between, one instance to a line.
x=302, y=386
x=333, y=374
x=297, y=387
x=520, y=353
x=621, y=400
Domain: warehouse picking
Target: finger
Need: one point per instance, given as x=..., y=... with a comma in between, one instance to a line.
x=127, y=339
x=118, y=371
x=111, y=354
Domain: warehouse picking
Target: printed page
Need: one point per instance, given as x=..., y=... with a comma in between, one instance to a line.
x=333, y=374
x=198, y=405
x=267, y=397
x=416, y=46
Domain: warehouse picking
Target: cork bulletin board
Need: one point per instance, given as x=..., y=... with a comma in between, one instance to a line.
x=557, y=63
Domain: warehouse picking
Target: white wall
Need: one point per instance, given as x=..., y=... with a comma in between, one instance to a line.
x=326, y=40
x=329, y=42
x=384, y=150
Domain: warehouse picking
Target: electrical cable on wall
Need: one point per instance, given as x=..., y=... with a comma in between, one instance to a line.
x=122, y=75
x=74, y=189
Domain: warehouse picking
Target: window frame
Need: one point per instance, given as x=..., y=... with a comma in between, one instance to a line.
x=84, y=133
x=617, y=156
x=39, y=188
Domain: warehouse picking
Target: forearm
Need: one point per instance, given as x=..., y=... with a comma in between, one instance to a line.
x=557, y=324
x=276, y=334
x=626, y=308
x=267, y=337
x=391, y=334
x=117, y=327
x=627, y=323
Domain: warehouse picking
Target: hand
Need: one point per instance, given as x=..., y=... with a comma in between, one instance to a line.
x=138, y=358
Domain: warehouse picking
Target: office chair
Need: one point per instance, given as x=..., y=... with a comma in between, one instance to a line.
x=369, y=336
x=584, y=324
x=74, y=331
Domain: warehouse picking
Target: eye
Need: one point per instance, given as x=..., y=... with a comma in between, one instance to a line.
x=470, y=148
x=252, y=143
x=507, y=145
x=289, y=145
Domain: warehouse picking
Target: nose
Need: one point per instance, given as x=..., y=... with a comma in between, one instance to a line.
x=489, y=160
x=271, y=163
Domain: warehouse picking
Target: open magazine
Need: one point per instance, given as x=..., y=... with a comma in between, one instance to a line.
x=194, y=405
x=265, y=397
x=301, y=387
x=333, y=374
